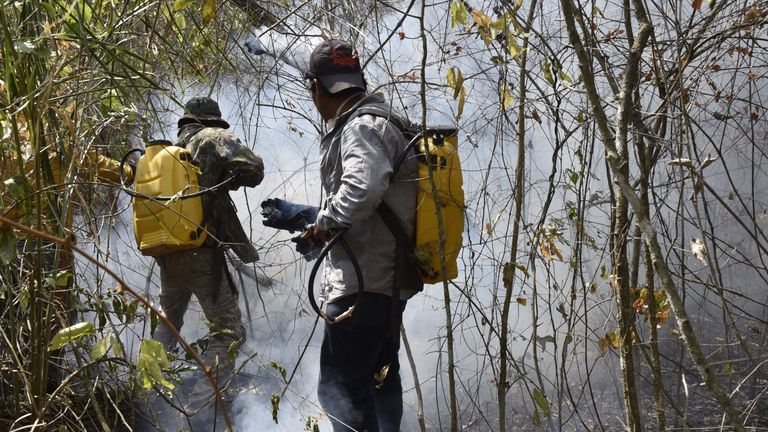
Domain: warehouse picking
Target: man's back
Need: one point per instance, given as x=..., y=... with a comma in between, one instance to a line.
x=357, y=162
x=227, y=164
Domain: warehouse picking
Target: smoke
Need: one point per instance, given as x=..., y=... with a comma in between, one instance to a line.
x=282, y=321
x=293, y=50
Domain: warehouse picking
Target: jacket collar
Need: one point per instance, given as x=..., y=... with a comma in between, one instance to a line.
x=341, y=120
x=186, y=133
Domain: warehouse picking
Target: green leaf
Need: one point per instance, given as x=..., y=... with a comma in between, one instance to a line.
x=500, y=25
x=49, y=8
x=69, y=334
x=79, y=13
x=565, y=77
x=536, y=418
x=209, y=10
x=117, y=347
x=61, y=280
x=100, y=348
x=541, y=401
x=573, y=176
x=24, y=297
x=232, y=351
x=153, y=322
x=130, y=311
x=513, y=47
x=179, y=5
x=279, y=368
x=7, y=245
x=117, y=308
x=462, y=99
x=455, y=80
x=150, y=363
x=506, y=97
x=458, y=13
x=19, y=189
x=111, y=101
x=175, y=18
x=275, y=407
x=5, y=130
x=18, y=186
x=546, y=67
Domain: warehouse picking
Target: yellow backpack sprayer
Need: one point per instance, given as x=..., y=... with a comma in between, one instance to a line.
x=167, y=207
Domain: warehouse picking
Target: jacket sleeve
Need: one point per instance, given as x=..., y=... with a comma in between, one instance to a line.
x=245, y=166
x=367, y=165
x=106, y=169
x=223, y=157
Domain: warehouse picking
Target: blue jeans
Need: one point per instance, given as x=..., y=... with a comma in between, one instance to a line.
x=353, y=351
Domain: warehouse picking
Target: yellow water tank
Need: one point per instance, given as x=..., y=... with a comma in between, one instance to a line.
x=165, y=217
x=441, y=149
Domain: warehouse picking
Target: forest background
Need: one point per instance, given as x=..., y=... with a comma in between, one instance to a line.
x=614, y=263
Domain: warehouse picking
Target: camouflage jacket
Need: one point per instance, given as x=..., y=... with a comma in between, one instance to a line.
x=220, y=155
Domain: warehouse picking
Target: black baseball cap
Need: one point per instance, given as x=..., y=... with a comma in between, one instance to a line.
x=336, y=64
x=202, y=109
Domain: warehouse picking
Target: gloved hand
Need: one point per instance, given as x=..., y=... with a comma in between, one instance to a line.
x=286, y=215
x=306, y=248
x=292, y=217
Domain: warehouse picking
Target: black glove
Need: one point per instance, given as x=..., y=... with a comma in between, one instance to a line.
x=306, y=248
x=286, y=215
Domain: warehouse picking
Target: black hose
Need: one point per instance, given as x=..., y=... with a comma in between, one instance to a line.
x=404, y=154
x=360, y=288
x=122, y=164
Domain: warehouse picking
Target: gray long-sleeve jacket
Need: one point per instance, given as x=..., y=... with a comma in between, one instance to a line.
x=357, y=159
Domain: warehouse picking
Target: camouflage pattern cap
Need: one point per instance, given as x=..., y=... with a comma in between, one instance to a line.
x=204, y=110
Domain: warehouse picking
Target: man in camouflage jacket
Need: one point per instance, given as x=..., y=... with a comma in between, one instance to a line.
x=225, y=164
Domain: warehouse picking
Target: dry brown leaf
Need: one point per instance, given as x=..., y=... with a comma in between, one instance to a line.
x=697, y=4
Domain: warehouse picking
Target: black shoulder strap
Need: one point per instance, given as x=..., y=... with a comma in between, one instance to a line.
x=395, y=120
x=395, y=225
x=390, y=218
x=406, y=272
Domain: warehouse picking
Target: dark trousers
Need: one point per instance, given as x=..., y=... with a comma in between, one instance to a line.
x=352, y=356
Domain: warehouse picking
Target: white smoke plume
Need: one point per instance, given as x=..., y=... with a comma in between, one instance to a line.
x=293, y=50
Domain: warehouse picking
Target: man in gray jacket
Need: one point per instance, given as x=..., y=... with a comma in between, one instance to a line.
x=359, y=384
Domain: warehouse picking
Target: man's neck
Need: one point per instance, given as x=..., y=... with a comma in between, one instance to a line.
x=344, y=106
